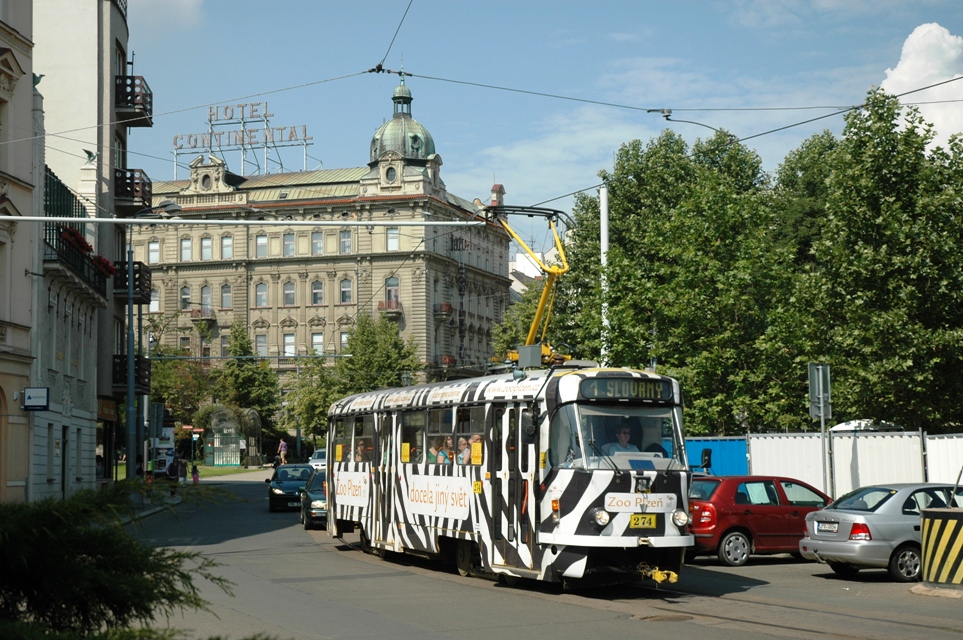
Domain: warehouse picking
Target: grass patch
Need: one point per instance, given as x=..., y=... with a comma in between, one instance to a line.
x=204, y=471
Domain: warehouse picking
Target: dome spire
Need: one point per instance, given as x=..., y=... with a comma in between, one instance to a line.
x=402, y=134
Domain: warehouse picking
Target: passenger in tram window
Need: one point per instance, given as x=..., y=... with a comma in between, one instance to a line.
x=464, y=451
x=361, y=452
x=449, y=448
x=437, y=453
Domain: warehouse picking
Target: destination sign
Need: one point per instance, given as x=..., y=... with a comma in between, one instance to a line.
x=626, y=389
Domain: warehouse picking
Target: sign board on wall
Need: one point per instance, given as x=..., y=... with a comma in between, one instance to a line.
x=36, y=399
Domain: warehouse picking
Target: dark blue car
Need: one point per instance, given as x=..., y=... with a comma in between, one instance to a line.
x=314, y=501
x=285, y=485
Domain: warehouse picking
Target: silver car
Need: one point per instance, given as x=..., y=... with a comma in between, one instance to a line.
x=317, y=459
x=875, y=527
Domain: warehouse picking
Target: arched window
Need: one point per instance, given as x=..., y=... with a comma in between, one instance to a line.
x=317, y=292
x=260, y=295
x=346, y=291
x=154, y=301
x=288, y=294
x=391, y=290
x=185, y=298
x=227, y=299
x=206, y=300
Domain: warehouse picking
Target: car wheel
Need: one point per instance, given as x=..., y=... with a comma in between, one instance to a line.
x=843, y=569
x=734, y=549
x=905, y=563
x=306, y=521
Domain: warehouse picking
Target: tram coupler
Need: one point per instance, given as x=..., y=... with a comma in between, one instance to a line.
x=657, y=574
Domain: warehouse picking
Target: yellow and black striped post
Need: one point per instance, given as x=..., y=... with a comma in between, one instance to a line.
x=942, y=538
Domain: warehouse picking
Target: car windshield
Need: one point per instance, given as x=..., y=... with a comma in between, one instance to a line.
x=865, y=499
x=702, y=489
x=597, y=436
x=318, y=455
x=288, y=474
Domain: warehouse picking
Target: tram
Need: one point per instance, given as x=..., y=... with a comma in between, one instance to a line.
x=567, y=474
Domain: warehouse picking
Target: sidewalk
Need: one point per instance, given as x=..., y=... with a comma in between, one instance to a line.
x=161, y=498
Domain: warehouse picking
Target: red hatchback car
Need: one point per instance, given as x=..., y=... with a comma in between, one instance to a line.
x=736, y=516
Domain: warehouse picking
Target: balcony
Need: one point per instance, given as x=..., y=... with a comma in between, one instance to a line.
x=61, y=251
x=141, y=375
x=133, y=191
x=443, y=310
x=203, y=315
x=142, y=283
x=446, y=360
x=391, y=308
x=133, y=101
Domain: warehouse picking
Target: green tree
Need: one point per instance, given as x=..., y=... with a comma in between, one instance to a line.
x=182, y=385
x=513, y=330
x=379, y=356
x=246, y=382
x=577, y=316
x=887, y=290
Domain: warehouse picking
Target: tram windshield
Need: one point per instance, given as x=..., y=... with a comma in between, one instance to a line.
x=616, y=437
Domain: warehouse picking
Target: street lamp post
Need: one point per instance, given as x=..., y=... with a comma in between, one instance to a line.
x=168, y=207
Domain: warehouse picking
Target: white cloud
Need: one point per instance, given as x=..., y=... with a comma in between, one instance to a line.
x=931, y=54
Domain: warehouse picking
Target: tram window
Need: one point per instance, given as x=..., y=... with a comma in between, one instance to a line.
x=343, y=428
x=469, y=428
x=363, y=439
x=442, y=446
x=412, y=436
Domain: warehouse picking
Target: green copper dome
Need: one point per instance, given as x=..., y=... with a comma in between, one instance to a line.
x=402, y=133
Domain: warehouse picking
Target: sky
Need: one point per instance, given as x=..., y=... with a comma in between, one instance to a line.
x=537, y=96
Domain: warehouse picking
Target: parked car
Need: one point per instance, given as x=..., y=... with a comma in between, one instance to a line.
x=314, y=501
x=318, y=458
x=285, y=484
x=733, y=517
x=875, y=527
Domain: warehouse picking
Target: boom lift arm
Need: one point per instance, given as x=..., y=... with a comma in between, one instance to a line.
x=552, y=273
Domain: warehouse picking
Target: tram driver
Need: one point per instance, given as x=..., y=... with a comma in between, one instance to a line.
x=623, y=433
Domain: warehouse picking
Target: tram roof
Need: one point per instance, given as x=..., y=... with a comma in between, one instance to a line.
x=468, y=391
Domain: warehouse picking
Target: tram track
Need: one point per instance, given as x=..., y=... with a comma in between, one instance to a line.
x=754, y=615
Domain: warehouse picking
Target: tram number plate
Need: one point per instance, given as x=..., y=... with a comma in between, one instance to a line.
x=827, y=527
x=642, y=521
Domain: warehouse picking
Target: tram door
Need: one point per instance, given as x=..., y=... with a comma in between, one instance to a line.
x=383, y=487
x=511, y=481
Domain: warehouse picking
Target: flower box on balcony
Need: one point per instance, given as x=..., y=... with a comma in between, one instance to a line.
x=76, y=239
x=104, y=266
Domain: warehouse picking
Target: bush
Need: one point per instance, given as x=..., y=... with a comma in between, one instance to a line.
x=69, y=566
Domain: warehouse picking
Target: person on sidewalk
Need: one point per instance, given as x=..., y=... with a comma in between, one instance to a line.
x=283, y=450
x=172, y=476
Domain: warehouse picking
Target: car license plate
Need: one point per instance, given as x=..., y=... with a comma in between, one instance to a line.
x=642, y=521
x=827, y=527
x=294, y=504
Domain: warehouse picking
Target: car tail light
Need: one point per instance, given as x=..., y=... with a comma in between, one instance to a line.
x=704, y=516
x=860, y=531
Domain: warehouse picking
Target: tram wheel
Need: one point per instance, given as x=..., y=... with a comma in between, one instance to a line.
x=365, y=541
x=507, y=580
x=463, y=557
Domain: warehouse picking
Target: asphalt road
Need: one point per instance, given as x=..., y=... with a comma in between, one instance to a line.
x=292, y=583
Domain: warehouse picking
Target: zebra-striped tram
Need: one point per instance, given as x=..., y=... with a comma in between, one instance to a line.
x=560, y=475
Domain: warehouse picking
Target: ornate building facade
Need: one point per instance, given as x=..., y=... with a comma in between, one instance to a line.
x=311, y=250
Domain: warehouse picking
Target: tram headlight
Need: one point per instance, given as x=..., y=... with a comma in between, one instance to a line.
x=680, y=518
x=600, y=516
